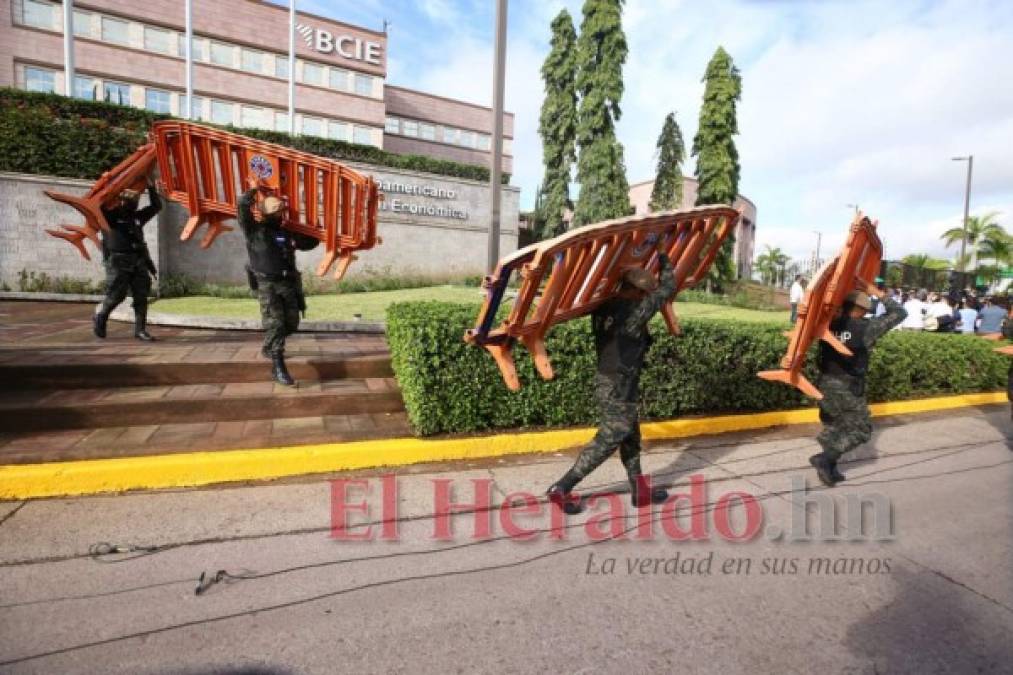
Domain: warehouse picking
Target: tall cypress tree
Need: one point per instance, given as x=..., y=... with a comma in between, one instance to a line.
x=717, y=164
x=558, y=125
x=601, y=169
x=667, y=191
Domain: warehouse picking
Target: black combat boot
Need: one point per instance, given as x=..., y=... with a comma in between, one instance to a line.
x=825, y=469
x=280, y=372
x=561, y=494
x=98, y=322
x=140, y=325
x=836, y=474
x=642, y=494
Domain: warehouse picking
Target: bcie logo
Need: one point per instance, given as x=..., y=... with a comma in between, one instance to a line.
x=347, y=46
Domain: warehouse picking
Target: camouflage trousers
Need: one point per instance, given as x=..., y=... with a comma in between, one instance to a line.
x=126, y=273
x=619, y=427
x=279, y=313
x=845, y=417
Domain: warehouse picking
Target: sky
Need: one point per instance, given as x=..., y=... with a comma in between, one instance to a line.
x=844, y=101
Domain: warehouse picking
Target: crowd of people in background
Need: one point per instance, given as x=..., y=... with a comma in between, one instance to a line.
x=965, y=311
x=953, y=312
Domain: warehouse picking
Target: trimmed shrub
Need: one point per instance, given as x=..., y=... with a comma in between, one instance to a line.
x=450, y=386
x=60, y=136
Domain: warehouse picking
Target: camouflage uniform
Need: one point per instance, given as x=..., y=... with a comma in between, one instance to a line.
x=621, y=341
x=843, y=410
x=273, y=274
x=126, y=260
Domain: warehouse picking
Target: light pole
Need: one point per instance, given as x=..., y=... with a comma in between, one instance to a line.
x=967, y=205
x=291, y=67
x=495, y=173
x=853, y=206
x=819, y=240
x=68, y=47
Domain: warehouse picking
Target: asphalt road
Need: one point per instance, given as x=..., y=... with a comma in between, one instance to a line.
x=922, y=583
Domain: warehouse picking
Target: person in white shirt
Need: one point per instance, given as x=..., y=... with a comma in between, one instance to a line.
x=916, y=308
x=795, y=295
x=968, y=317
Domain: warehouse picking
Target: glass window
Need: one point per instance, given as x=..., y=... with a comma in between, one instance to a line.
x=312, y=73
x=468, y=139
x=157, y=40
x=114, y=92
x=391, y=125
x=281, y=122
x=281, y=66
x=339, y=79
x=253, y=61
x=196, y=109
x=198, y=48
x=410, y=128
x=363, y=85
x=38, y=14
x=222, y=55
x=312, y=126
x=114, y=30
x=363, y=135
x=82, y=24
x=427, y=131
x=86, y=88
x=337, y=131
x=257, y=118
x=37, y=79
x=484, y=142
x=451, y=135
x=508, y=146
x=221, y=112
x=157, y=100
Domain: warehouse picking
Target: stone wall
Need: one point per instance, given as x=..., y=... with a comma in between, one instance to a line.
x=446, y=234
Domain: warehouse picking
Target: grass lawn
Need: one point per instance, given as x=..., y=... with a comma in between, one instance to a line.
x=372, y=306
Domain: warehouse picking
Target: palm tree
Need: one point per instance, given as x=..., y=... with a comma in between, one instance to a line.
x=918, y=260
x=771, y=264
x=979, y=228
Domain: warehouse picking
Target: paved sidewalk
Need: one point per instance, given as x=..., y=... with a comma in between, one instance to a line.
x=299, y=601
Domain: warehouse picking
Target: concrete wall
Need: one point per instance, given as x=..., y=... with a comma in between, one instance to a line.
x=412, y=243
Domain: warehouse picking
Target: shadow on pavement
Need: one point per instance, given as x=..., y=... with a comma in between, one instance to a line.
x=932, y=626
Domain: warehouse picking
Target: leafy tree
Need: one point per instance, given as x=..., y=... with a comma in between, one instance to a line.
x=601, y=168
x=558, y=125
x=667, y=191
x=979, y=229
x=717, y=165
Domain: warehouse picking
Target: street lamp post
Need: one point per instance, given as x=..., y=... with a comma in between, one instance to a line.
x=819, y=240
x=495, y=172
x=967, y=206
x=68, y=47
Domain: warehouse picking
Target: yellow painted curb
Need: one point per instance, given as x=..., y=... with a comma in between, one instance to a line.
x=26, y=481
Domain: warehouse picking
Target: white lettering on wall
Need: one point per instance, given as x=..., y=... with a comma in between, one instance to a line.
x=348, y=46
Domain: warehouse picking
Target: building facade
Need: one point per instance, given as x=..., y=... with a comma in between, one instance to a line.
x=745, y=233
x=133, y=53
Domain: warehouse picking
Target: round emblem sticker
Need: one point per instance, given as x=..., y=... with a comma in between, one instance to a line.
x=261, y=167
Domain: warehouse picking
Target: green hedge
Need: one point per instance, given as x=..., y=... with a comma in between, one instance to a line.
x=449, y=386
x=60, y=136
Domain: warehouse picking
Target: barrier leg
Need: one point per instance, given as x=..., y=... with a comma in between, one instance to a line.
x=536, y=345
x=505, y=360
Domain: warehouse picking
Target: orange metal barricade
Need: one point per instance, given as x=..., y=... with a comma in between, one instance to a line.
x=859, y=261
x=207, y=171
x=571, y=275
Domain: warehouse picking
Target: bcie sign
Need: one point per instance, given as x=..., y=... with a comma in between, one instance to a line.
x=347, y=46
